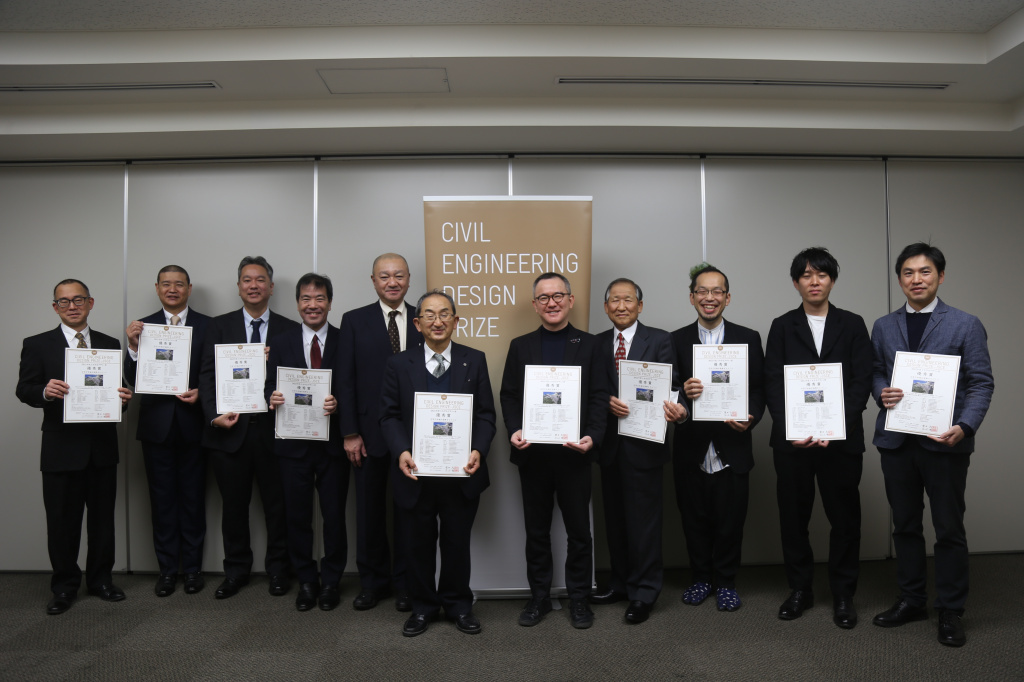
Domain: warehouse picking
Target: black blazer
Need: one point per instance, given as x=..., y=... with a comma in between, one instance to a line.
x=227, y=328
x=581, y=349
x=65, y=447
x=405, y=374
x=692, y=438
x=365, y=348
x=157, y=413
x=846, y=341
x=650, y=345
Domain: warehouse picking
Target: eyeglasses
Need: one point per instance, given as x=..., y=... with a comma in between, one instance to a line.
x=717, y=293
x=444, y=316
x=544, y=298
x=62, y=303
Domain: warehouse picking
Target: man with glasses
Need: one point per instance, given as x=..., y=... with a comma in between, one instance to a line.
x=547, y=472
x=78, y=461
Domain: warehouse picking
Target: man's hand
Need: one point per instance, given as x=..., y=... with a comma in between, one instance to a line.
x=951, y=437
x=355, y=449
x=330, y=405
x=674, y=412
x=583, y=446
x=473, y=464
x=890, y=396
x=132, y=332
x=56, y=389
x=693, y=388
x=125, y=393
x=810, y=442
x=740, y=426
x=406, y=464
x=618, y=407
x=276, y=398
x=190, y=396
x=227, y=420
x=517, y=440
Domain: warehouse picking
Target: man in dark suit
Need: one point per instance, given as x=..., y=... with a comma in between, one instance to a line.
x=819, y=332
x=631, y=468
x=712, y=460
x=369, y=336
x=308, y=465
x=241, y=445
x=436, y=365
x=547, y=471
x=170, y=429
x=912, y=464
x=78, y=461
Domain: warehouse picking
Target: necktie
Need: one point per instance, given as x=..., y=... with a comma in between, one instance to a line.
x=81, y=340
x=620, y=352
x=439, y=370
x=256, y=324
x=396, y=343
x=175, y=320
x=314, y=353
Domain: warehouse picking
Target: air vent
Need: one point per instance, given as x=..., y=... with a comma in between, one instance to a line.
x=111, y=87
x=773, y=82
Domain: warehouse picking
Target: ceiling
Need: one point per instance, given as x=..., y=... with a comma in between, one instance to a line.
x=324, y=78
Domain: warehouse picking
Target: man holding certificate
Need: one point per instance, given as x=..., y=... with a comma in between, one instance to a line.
x=78, y=460
x=933, y=458
x=170, y=429
x=632, y=460
x=818, y=333
x=556, y=371
x=300, y=390
x=418, y=384
x=713, y=456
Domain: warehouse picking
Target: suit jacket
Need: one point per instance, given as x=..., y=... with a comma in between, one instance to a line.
x=286, y=350
x=157, y=413
x=949, y=332
x=365, y=349
x=692, y=438
x=404, y=375
x=650, y=345
x=845, y=341
x=65, y=447
x=227, y=328
x=580, y=349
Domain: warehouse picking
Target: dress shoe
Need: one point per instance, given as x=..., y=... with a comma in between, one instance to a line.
x=403, y=604
x=165, y=585
x=367, y=599
x=794, y=606
x=535, y=610
x=60, y=603
x=194, y=583
x=726, y=599
x=416, y=625
x=306, y=598
x=107, y=592
x=279, y=585
x=638, y=612
x=580, y=614
x=330, y=597
x=843, y=613
x=468, y=623
x=951, y=629
x=696, y=593
x=609, y=596
x=902, y=612
x=231, y=586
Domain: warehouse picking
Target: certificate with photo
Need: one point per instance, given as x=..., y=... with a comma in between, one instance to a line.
x=929, y=390
x=165, y=355
x=814, y=402
x=551, y=404
x=94, y=376
x=722, y=371
x=644, y=387
x=302, y=415
x=241, y=372
x=442, y=433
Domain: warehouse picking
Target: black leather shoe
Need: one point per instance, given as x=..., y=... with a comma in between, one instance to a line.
x=279, y=585
x=165, y=585
x=403, y=604
x=843, y=613
x=194, y=583
x=468, y=623
x=951, y=629
x=798, y=602
x=902, y=612
x=535, y=610
x=580, y=614
x=330, y=597
x=230, y=587
x=60, y=603
x=609, y=596
x=107, y=592
x=366, y=600
x=638, y=612
x=416, y=625
x=306, y=598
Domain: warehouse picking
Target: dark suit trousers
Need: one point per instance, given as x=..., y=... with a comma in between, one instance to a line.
x=633, y=520
x=440, y=503
x=66, y=495
x=373, y=557
x=235, y=472
x=547, y=473
x=176, y=473
x=328, y=475
x=838, y=475
x=910, y=471
x=713, y=508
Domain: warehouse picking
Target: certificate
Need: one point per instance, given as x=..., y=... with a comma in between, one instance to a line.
x=302, y=415
x=644, y=387
x=165, y=353
x=722, y=371
x=551, y=404
x=241, y=372
x=929, y=390
x=442, y=433
x=94, y=376
x=814, y=402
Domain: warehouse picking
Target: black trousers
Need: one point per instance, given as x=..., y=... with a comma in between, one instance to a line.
x=373, y=554
x=176, y=473
x=910, y=471
x=713, y=508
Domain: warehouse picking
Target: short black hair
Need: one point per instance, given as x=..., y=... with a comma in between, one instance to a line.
x=256, y=260
x=702, y=268
x=175, y=268
x=318, y=281
x=553, y=275
x=71, y=281
x=930, y=252
x=433, y=292
x=817, y=258
x=624, y=280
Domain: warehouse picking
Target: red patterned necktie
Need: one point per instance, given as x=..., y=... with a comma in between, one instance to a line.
x=620, y=352
x=314, y=353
